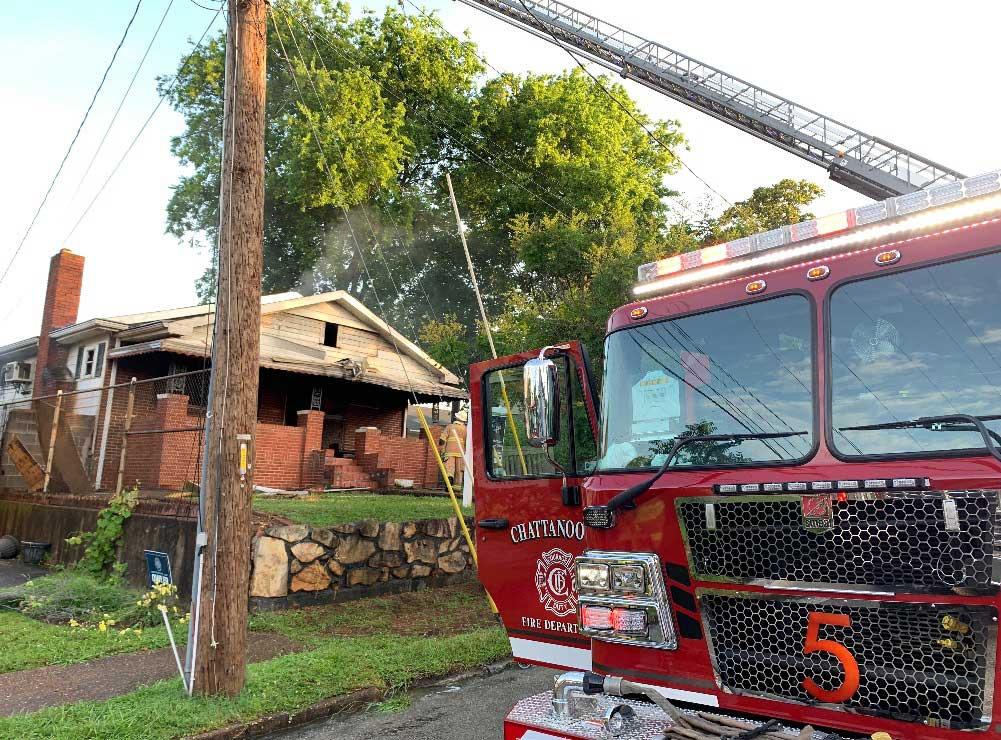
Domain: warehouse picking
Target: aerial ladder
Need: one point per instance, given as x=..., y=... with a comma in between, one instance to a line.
x=867, y=164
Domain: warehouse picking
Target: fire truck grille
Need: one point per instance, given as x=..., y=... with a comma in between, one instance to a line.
x=924, y=542
x=916, y=662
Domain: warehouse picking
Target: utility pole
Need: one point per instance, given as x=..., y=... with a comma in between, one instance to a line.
x=220, y=611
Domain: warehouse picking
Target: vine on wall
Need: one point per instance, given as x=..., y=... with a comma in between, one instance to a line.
x=100, y=545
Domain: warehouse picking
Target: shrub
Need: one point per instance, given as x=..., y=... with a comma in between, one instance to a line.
x=88, y=601
x=100, y=544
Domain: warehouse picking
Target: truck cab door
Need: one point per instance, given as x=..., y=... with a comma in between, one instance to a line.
x=529, y=527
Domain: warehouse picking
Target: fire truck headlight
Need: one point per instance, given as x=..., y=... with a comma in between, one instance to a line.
x=623, y=599
x=592, y=576
x=628, y=579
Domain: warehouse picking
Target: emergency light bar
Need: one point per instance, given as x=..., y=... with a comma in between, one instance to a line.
x=938, y=206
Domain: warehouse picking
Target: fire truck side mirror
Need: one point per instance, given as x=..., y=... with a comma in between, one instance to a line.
x=542, y=401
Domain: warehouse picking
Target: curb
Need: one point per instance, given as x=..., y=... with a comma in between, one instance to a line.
x=347, y=703
x=352, y=702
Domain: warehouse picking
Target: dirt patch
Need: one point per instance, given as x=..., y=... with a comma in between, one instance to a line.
x=29, y=691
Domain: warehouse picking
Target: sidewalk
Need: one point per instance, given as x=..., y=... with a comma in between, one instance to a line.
x=13, y=572
x=29, y=691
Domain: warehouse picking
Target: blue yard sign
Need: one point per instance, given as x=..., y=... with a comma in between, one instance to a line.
x=157, y=568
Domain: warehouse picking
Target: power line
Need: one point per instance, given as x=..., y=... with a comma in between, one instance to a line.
x=623, y=106
x=142, y=128
x=69, y=149
x=344, y=210
x=452, y=134
x=375, y=240
x=396, y=224
x=124, y=96
x=677, y=198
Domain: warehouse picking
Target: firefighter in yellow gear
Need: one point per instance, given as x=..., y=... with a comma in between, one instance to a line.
x=451, y=439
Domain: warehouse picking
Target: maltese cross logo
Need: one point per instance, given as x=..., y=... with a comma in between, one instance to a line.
x=555, y=582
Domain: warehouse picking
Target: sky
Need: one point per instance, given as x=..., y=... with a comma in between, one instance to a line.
x=900, y=70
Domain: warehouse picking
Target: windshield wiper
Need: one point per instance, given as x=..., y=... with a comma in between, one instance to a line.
x=604, y=516
x=943, y=423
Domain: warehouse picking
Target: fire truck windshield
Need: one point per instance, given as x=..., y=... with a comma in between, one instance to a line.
x=741, y=370
x=914, y=344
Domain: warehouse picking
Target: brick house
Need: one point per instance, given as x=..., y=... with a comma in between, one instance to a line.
x=332, y=404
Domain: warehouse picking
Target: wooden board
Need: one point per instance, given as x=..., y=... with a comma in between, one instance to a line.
x=30, y=470
x=68, y=473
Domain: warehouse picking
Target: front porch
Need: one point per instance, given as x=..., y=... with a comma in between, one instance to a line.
x=312, y=432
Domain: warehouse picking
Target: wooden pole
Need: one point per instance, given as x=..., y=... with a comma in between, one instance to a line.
x=220, y=655
x=52, y=442
x=125, y=436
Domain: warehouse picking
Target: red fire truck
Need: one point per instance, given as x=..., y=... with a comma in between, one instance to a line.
x=783, y=511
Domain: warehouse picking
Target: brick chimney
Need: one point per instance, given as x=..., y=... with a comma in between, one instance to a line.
x=62, y=301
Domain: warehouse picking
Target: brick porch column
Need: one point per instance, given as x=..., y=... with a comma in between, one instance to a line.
x=310, y=464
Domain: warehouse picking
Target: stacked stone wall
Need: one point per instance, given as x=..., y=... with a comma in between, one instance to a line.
x=305, y=564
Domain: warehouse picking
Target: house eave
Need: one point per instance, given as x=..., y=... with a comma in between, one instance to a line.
x=425, y=391
x=76, y=333
x=22, y=349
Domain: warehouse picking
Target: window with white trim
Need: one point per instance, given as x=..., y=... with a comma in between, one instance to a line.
x=90, y=361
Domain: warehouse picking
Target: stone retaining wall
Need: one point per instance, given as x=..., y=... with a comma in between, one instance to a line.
x=306, y=564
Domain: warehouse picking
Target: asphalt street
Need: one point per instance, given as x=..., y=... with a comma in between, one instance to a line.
x=473, y=709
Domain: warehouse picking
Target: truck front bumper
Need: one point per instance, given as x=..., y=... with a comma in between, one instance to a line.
x=533, y=719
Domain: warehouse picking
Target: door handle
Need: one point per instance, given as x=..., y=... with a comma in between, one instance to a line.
x=493, y=523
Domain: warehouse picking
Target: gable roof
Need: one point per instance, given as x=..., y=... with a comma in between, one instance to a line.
x=177, y=330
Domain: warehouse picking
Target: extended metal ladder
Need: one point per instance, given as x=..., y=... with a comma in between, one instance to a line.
x=864, y=163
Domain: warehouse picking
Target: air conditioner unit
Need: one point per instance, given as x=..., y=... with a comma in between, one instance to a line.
x=18, y=372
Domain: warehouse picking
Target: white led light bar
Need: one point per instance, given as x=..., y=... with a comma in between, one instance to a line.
x=951, y=203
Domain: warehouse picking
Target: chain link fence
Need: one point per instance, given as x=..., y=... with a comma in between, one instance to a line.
x=104, y=436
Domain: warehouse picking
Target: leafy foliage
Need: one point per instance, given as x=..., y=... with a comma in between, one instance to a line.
x=562, y=194
x=767, y=208
x=100, y=545
x=85, y=601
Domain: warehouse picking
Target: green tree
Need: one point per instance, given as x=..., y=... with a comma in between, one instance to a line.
x=767, y=208
x=563, y=195
x=447, y=340
x=372, y=89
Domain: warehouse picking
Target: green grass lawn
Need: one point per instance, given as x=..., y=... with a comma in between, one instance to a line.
x=28, y=643
x=340, y=508
x=385, y=642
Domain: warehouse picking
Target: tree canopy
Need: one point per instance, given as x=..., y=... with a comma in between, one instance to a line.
x=562, y=194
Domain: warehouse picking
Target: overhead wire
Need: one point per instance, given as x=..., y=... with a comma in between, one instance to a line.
x=479, y=153
x=343, y=208
x=392, y=217
x=125, y=95
x=340, y=155
x=431, y=17
x=69, y=149
x=141, y=130
x=390, y=332
x=396, y=223
x=653, y=136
